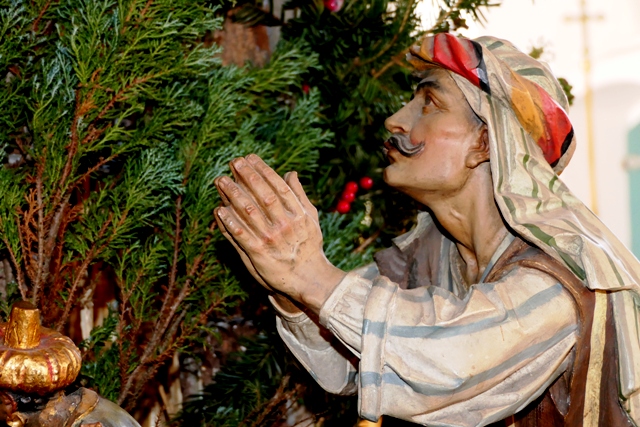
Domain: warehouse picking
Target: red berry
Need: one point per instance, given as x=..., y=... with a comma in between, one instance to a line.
x=306, y=88
x=366, y=182
x=350, y=187
x=343, y=207
x=333, y=5
x=348, y=197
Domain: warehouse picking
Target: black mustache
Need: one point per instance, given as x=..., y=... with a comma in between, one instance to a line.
x=402, y=143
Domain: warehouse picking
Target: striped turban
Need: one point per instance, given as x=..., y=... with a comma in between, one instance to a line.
x=531, y=141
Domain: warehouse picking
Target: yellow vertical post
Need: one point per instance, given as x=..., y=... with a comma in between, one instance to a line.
x=584, y=19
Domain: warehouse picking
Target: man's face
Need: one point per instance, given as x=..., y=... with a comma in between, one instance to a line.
x=439, y=118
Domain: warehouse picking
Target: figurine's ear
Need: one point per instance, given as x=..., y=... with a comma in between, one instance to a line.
x=479, y=150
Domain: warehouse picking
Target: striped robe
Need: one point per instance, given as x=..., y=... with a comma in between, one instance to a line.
x=417, y=344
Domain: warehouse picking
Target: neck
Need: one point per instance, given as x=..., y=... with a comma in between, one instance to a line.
x=472, y=218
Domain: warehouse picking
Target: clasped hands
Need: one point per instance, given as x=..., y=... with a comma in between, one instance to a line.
x=274, y=227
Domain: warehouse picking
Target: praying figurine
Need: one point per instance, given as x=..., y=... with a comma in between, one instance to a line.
x=509, y=304
x=37, y=364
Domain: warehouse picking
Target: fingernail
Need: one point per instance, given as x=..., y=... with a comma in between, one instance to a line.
x=223, y=181
x=239, y=163
x=222, y=213
x=252, y=158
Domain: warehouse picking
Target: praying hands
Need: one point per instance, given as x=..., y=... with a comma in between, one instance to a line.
x=274, y=227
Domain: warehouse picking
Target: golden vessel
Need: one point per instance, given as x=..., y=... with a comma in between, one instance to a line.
x=34, y=359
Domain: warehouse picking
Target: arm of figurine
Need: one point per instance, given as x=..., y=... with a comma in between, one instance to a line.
x=275, y=228
x=328, y=360
x=432, y=358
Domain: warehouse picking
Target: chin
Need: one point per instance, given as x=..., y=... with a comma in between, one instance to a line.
x=388, y=176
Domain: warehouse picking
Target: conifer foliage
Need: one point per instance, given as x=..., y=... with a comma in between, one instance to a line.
x=115, y=117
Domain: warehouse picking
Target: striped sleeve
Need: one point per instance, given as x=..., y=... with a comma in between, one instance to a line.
x=432, y=358
x=332, y=364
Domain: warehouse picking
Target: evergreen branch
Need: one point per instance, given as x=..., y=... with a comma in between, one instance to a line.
x=160, y=331
x=93, y=252
x=123, y=355
x=260, y=413
x=93, y=133
x=26, y=236
x=125, y=296
x=395, y=37
x=154, y=364
x=55, y=242
x=174, y=263
x=103, y=161
x=442, y=18
x=396, y=60
x=21, y=284
x=41, y=230
x=130, y=12
x=71, y=151
x=146, y=8
x=153, y=343
x=41, y=15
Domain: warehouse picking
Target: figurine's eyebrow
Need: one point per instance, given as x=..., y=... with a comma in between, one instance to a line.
x=430, y=83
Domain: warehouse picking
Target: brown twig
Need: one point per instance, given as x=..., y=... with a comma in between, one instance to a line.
x=61, y=218
x=83, y=268
x=82, y=108
x=446, y=16
x=138, y=377
x=71, y=152
x=41, y=232
x=395, y=60
x=176, y=253
x=369, y=240
x=94, y=168
x=257, y=416
x=26, y=235
x=40, y=15
x=395, y=37
x=21, y=284
x=146, y=8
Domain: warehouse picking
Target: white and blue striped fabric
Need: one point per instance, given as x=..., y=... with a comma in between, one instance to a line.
x=443, y=355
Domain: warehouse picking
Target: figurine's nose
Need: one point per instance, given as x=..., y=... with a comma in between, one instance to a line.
x=401, y=121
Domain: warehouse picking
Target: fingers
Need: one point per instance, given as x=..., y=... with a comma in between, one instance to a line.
x=223, y=197
x=235, y=229
x=291, y=178
x=277, y=184
x=243, y=255
x=243, y=206
x=258, y=188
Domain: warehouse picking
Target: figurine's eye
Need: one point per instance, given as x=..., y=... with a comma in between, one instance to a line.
x=428, y=101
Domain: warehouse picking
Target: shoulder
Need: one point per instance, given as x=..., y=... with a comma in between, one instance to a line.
x=529, y=277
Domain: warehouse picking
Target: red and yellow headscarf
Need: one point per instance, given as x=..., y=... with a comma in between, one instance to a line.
x=538, y=112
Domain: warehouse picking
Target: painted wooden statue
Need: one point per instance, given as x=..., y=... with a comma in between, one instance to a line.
x=36, y=365
x=509, y=304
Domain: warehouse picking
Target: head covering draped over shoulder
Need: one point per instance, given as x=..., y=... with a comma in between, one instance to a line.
x=531, y=141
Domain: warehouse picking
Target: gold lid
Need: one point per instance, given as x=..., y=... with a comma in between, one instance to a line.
x=36, y=359
x=23, y=330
